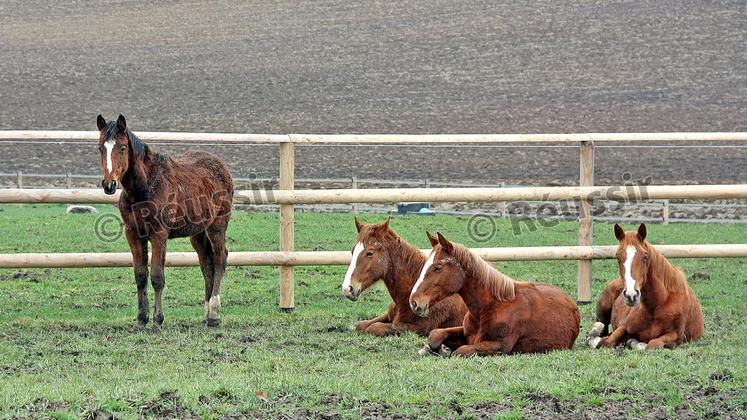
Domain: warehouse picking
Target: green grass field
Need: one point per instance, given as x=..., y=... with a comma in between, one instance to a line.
x=66, y=349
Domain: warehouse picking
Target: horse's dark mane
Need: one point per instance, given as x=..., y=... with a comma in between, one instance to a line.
x=138, y=147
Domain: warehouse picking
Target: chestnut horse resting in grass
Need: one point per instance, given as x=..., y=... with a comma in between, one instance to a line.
x=505, y=316
x=165, y=198
x=650, y=305
x=380, y=254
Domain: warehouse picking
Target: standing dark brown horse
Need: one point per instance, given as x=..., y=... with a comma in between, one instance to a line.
x=650, y=305
x=505, y=316
x=380, y=254
x=165, y=198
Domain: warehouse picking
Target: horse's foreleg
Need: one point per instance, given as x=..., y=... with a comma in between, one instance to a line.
x=613, y=339
x=139, y=249
x=201, y=244
x=668, y=340
x=157, y=279
x=449, y=337
x=483, y=348
x=363, y=325
x=217, y=236
x=384, y=328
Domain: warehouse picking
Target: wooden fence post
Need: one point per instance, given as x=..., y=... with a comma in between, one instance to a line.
x=287, y=174
x=69, y=179
x=585, y=221
x=19, y=179
x=665, y=213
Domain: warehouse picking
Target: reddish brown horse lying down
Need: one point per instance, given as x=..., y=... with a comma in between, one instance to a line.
x=379, y=254
x=165, y=198
x=650, y=305
x=505, y=316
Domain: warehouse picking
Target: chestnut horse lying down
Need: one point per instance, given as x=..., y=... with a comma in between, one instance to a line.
x=380, y=254
x=505, y=316
x=650, y=305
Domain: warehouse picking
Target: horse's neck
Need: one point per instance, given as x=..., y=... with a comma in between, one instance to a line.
x=405, y=262
x=138, y=178
x=475, y=295
x=655, y=291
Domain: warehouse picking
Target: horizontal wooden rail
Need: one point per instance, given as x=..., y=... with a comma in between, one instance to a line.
x=306, y=258
x=161, y=136
x=383, y=138
x=393, y=195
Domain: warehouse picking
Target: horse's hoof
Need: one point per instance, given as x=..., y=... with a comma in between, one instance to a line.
x=425, y=351
x=156, y=329
x=634, y=344
x=593, y=342
x=444, y=351
x=138, y=327
x=212, y=322
x=596, y=329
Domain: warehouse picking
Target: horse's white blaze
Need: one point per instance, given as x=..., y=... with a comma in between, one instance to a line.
x=109, y=147
x=351, y=268
x=628, y=265
x=428, y=264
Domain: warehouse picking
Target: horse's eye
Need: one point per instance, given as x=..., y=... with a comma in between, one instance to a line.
x=437, y=269
x=123, y=147
x=369, y=253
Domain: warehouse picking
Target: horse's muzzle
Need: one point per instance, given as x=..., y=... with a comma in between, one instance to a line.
x=421, y=311
x=109, y=188
x=352, y=293
x=632, y=301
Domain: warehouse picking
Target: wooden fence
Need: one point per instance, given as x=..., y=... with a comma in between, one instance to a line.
x=287, y=197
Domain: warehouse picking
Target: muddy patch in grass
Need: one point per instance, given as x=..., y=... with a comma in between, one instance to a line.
x=168, y=405
x=21, y=276
x=706, y=402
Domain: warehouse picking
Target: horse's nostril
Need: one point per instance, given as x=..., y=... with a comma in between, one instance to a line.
x=414, y=305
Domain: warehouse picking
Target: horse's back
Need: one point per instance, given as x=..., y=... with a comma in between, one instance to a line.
x=554, y=319
x=206, y=163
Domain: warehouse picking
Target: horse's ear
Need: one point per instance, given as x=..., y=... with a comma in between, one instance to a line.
x=100, y=122
x=121, y=124
x=358, y=224
x=433, y=240
x=619, y=232
x=445, y=244
x=642, y=232
x=385, y=225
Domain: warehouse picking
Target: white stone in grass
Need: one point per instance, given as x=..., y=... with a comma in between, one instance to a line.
x=81, y=209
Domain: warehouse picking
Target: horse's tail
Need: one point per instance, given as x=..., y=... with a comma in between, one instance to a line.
x=606, y=301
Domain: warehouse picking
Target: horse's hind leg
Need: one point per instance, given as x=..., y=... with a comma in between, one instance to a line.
x=201, y=244
x=216, y=234
x=139, y=249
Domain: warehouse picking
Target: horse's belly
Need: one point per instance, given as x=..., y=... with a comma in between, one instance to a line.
x=189, y=230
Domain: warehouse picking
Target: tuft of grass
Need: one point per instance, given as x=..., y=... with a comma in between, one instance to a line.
x=66, y=349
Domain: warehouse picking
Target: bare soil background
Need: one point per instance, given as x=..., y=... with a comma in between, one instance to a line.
x=384, y=67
